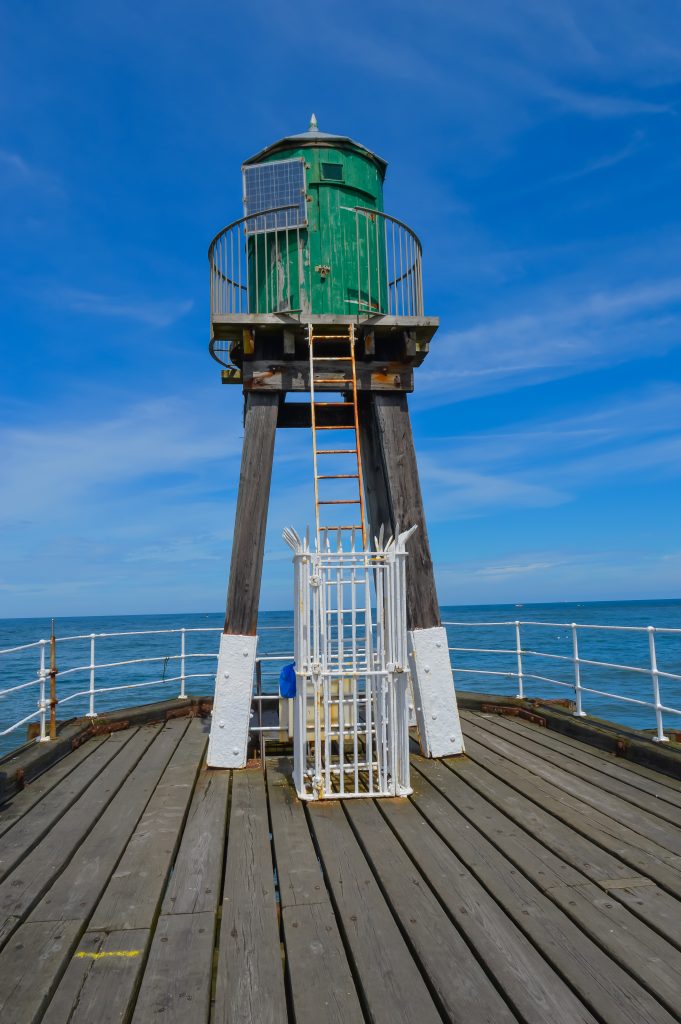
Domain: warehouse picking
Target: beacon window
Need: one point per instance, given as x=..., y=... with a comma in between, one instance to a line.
x=272, y=185
x=332, y=172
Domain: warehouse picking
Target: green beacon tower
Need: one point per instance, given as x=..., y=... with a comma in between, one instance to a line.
x=317, y=290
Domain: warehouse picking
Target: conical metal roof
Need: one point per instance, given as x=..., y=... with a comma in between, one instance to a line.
x=314, y=137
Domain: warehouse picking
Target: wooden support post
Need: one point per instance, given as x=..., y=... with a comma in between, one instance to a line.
x=289, y=339
x=393, y=495
x=248, y=544
x=373, y=470
x=393, y=490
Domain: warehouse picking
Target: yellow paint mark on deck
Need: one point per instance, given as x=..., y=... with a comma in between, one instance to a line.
x=83, y=954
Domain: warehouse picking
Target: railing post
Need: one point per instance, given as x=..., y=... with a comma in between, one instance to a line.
x=92, y=713
x=42, y=674
x=258, y=690
x=519, y=657
x=182, y=694
x=578, y=713
x=53, y=685
x=660, y=736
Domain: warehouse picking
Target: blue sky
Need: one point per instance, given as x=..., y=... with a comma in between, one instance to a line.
x=535, y=149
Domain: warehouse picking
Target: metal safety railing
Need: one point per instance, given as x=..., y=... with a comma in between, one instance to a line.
x=83, y=674
x=389, y=255
x=257, y=264
x=261, y=264
x=91, y=687
x=568, y=652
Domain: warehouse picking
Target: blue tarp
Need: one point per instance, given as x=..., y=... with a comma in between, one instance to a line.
x=287, y=680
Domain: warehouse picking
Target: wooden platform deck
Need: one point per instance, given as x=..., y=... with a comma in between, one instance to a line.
x=537, y=879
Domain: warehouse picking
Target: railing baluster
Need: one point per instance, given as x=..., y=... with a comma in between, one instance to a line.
x=519, y=659
x=41, y=697
x=92, y=711
x=660, y=736
x=182, y=693
x=578, y=713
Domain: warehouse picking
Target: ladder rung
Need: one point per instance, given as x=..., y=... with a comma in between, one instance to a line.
x=332, y=380
x=345, y=405
x=332, y=359
x=341, y=501
x=338, y=476
x=328, y=529
x=336, y=451
x=350, y=426
x=323, y=337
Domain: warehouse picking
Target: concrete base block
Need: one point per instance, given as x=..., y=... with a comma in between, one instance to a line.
x=437, y=714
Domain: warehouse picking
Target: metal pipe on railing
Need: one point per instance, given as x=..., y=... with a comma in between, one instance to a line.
x=92, y=676
x=660, y=736
x=41, y=698
x=258, y=687
x=182, y=693
x=53, y=685
x=578, y=712
x=519, y=659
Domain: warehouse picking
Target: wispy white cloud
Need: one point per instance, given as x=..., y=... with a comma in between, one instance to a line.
x=560, y=337
x=602, y=163
x=18, y=173
x=83, y=461
x=152, y=313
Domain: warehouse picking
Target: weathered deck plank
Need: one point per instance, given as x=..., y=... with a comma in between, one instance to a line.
x=497, y=892
x=250, y=978
x=320, y=978
x=176, y=984
x=99, y=979
x=543, y=833
x=598, y=825
x=196, y=882
x=492, y=854
x=532, y=989
x=24, y=887
x=23, y=801
x=130, y=902
x=627, y=772
x=657, y=810
x=32, y=827
x=74, y=893
x=393, y=988
x=133, y=896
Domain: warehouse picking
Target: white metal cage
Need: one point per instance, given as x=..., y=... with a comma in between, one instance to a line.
x=352, y=703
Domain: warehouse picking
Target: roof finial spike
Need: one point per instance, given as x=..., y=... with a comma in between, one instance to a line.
x=314, y=127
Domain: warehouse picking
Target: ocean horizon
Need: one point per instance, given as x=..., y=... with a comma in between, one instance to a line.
x=471, y=668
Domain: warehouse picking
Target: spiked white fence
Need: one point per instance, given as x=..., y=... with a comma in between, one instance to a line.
x=352, y=702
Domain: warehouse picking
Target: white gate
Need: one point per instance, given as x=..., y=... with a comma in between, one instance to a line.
x=351, y=709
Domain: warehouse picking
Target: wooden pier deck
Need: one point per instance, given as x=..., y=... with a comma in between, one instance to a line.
x=537, y=879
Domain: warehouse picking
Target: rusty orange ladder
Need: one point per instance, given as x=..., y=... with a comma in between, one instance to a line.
x=345, y=343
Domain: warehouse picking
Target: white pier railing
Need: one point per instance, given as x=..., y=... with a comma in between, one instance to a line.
x=522, y=658
x=630, y=674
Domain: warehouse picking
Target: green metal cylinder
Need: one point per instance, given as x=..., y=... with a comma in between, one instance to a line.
x=336, y=263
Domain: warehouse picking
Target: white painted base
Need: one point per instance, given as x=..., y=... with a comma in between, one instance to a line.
x=228, y=743
x=437, y=714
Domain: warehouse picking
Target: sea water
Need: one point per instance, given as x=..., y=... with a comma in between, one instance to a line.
x=471, y=668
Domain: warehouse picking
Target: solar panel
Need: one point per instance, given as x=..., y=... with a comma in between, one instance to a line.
x=269, y=185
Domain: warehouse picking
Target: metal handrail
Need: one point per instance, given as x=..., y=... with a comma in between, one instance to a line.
x=228, y=260
x=518, y=672
x=275, y=275
x=92, y=694
x=653, y=671
x=401, y=277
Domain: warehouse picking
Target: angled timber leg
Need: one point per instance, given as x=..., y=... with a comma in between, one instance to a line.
x=228, y=743
x=393, y=495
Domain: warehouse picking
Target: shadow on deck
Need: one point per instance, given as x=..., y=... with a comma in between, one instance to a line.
x=536, y=879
